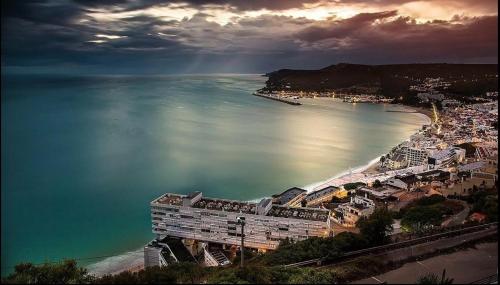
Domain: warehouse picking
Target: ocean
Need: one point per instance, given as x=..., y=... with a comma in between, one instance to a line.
x=82, y=156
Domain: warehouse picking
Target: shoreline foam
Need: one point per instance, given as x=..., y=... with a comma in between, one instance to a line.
x=128, y=261
x=356, y=170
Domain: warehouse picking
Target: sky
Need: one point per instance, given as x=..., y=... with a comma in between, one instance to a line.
x=241, y=36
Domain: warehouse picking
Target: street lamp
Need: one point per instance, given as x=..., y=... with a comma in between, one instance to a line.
x=241, y=221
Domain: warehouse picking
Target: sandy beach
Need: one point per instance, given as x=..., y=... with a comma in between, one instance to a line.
x=132, y=261
x=369, y=172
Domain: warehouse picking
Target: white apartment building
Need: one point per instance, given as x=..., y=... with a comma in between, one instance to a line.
x=349, y=213
x=203, y=219
x=397, y=161
x=415, y=156
x=446, y=156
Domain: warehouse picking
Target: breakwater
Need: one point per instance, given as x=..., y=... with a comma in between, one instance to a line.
x=280, y=99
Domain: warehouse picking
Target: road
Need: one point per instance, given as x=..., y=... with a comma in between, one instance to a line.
x=459, y=217
x=464, y=266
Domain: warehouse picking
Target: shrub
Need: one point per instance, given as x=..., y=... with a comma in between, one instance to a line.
x=376, y=228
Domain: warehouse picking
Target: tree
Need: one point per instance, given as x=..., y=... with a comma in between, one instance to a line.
x=377, y=183
x=431, y=200
x=382, y=160
x=313, y=276
x=246, y=275
x=419, y=217
x=353, y=185
x=375, y=229
x=66, y=272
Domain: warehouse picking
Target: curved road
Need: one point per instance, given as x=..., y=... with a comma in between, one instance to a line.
x=458, y=218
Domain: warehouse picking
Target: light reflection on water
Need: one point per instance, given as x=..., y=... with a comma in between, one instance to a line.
x=82, y=157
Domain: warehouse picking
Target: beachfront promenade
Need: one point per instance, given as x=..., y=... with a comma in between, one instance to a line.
x=360, y=176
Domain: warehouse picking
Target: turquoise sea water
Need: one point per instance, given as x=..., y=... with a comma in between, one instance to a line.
x=82, y=157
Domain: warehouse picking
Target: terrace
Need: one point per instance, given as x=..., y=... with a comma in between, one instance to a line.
x=299, y=213
x=359, y=206
x=170, y=199
x=226, y=205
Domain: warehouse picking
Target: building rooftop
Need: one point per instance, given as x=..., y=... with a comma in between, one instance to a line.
x=445, y=153
x=379, y=193
x=264, y=203
x=312, y=214
x=299, y=213
x=434, y=175
x=321, y=192
x=191, y=195
x=170, y=199
x=408, y=179
x=359, y=206
x=289, y=195
x=472, y=166
x=226, y=205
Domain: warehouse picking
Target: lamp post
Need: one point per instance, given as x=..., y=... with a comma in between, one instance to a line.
x=241, y=221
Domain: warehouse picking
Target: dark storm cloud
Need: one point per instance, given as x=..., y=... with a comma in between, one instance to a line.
x=40, y=11
x=248, y=5
x=65, y=33
x=342, y=28
x=237, y=4
x=402, y=37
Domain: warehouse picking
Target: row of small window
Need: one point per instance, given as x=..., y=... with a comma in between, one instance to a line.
x=164, y=209
x=213, y=214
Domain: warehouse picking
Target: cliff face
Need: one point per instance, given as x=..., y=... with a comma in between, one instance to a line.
x=389, y=80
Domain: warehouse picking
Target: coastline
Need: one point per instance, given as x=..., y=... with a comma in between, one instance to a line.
x=368, y=169
x=133, y=261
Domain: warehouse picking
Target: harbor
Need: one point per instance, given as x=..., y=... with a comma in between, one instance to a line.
x=284, y=99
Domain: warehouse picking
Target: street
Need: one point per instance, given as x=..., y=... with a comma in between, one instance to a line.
x=464, y=266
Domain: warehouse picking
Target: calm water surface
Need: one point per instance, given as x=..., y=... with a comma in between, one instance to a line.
x=82, y=157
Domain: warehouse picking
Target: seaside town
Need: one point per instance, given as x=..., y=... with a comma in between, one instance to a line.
x=292, y=97
x=431, y=183
x=249, y=142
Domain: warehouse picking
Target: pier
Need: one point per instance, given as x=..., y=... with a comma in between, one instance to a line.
x=280, y=99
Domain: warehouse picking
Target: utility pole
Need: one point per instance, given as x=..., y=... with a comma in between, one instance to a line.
x=241, y=221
